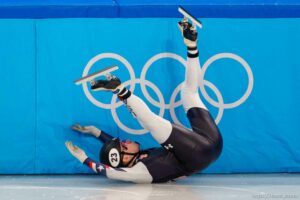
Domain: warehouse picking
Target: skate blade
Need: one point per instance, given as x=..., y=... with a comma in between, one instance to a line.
x=190, y=17
x=92, y=76
x=101, y=89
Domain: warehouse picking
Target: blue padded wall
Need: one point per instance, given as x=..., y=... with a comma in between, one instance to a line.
x=244, y=45
x=17, y=96
x=39, y=101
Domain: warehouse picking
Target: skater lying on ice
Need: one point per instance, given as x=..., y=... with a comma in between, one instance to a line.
x=183, y=152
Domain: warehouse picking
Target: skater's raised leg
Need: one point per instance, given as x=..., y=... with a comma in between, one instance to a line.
x=159, y=127
x=189, y=91
x=197, y=113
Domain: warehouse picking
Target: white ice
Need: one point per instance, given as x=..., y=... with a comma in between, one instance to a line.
x=204, y=187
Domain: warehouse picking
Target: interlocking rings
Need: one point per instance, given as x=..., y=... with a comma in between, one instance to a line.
x=92, y=62
x=172, y=104
x=147, y=66
x=244, y=64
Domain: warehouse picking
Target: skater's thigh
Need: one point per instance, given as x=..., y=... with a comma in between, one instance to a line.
x=193, y=150
x=187, y=146
x=203, y=124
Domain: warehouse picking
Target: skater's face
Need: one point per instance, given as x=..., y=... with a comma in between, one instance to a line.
x=128, y=146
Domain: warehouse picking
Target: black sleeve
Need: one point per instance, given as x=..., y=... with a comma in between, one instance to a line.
x=104, y=137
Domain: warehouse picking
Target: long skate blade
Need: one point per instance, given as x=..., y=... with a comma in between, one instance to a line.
x=92, y=76
x=190, y=17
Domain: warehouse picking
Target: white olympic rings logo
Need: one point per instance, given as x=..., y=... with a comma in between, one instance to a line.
x=161, y=104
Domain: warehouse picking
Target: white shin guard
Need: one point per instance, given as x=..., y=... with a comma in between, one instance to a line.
x=189, y=90
x=159, y=127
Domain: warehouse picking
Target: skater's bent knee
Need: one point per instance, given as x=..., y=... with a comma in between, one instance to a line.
x=216, y=145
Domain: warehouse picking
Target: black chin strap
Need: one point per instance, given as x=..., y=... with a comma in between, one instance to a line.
x=135, y=155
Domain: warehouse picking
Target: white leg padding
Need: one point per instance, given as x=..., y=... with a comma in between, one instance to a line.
x=189, y=90
x=191, y=99
x=159, y=127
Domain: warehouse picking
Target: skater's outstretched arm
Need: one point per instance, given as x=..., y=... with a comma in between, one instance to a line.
x=137, y=174
x=92, y=130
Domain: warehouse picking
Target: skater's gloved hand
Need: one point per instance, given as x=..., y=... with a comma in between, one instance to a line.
x=76, y=151
x=87, y=129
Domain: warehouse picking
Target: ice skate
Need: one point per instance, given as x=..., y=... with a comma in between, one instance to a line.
x=189, y=33
x=104, y=72
x=111, y=83
x=188, y=29
x=188, y=16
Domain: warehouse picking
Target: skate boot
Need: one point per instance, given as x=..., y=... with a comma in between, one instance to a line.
x=189, y=33
x=112, y=83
